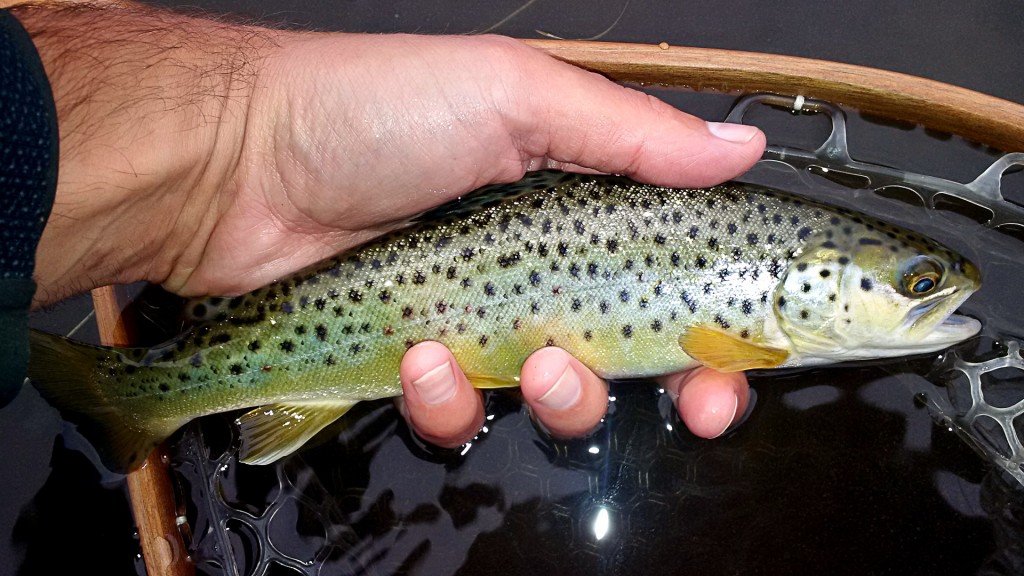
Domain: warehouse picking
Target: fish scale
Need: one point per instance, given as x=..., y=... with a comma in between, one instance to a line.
x=613, y=271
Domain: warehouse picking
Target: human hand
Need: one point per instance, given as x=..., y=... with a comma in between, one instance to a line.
x=462, y=103
x=270, y=150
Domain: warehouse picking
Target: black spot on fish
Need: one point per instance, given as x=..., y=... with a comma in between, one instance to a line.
x=752, y=239
x=355, y=295
x=688, y=300
x=660, y=239
x=287, y=307
x=624, y=296
x=804, y=314
x=563, y=249
x=288, y=346
x=713, y=243
x=803, y=233
x=745, y=333
x=588, y=335
x=330, y=361
x=675, y=258
x=419, y=277
x=701, y=262
x=869, y=242
x=627, y=331
x=843, y=260
x=481, y=312
x=441, y=307
x=579, y=227
x=407, y=312
x=721, y=321
x=656, y=325
x=709, y=288
x=236, y=369
x=748, y=307
x=604, y=307
x=321, y=332
x=199, y=310
x=825, y=273
x=806, y=287
x=483, y=340
x=384, y=296
x=534, y=278
x=731, y=228
x=694, y=231
x=866, y=285
x=468, y=253
x=831, y=297
x=355, y=348
x=574, y=269
x=782, y=301
x=509, y=260
x=300, y=330
x=592, y=269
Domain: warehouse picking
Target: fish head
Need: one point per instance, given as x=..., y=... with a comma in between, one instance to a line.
x=870, y=290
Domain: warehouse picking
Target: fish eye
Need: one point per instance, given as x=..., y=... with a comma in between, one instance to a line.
x=921, y=276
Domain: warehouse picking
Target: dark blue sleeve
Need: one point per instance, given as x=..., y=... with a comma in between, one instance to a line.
x=28, y=179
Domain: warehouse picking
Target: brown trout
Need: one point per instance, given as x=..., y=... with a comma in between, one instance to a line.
x=633, y=280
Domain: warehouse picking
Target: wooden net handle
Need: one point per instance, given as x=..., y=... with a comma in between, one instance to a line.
x=975, y=116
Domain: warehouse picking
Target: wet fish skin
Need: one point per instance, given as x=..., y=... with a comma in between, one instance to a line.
x=633, y=280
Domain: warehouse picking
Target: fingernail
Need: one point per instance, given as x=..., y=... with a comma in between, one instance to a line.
x=564, y=393
x=738, y=133
x=732, y=415
x=403, y=408
x=436, y=386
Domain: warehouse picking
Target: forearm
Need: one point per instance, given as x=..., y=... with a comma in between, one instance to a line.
x=152, y=109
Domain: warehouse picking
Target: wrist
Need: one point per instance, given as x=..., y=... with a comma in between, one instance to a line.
x=152, y=108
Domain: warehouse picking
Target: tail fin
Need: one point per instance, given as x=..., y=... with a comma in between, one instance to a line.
x=70, y=376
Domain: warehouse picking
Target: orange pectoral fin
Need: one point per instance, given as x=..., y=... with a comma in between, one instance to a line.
x=726, y=353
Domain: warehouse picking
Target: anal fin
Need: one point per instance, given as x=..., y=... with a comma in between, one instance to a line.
x=271, y=432
x=727, y=353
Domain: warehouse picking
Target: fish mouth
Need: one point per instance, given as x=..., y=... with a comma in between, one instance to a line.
x=937, y=324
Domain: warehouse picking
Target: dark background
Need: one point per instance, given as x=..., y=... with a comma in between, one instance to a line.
x=78, y=518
